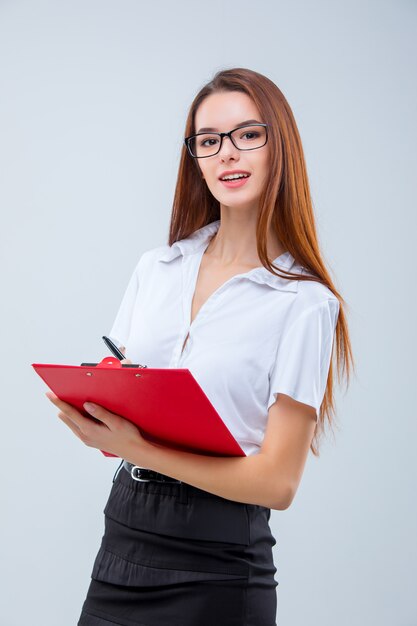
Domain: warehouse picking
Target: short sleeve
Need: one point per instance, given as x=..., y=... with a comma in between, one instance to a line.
x=303, y=357
x=120, y=330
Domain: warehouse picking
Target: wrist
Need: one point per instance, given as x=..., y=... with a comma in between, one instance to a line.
x=139, y=453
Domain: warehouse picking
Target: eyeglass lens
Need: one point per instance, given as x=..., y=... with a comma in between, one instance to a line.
x=245, y=138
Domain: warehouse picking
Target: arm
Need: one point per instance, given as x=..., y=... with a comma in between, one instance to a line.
x=269, y=478
x=290, y=429
x=249, y=471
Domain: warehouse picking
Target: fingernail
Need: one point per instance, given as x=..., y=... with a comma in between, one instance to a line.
x=89, y=407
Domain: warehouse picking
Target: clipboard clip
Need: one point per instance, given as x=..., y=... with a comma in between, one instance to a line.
x=110, y=361
x=113, y=362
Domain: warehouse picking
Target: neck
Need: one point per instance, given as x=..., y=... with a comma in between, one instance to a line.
x=235, y=241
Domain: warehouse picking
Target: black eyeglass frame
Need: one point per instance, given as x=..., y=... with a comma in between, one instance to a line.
x=222, y=135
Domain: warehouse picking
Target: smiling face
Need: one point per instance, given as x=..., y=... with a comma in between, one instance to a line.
x=222, y=112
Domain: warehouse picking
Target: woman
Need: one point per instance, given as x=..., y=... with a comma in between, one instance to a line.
x=187, y=539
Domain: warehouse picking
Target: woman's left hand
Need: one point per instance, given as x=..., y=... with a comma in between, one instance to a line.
x=114, y=434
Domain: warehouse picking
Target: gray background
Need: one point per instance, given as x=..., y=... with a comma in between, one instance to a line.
x=94, y=96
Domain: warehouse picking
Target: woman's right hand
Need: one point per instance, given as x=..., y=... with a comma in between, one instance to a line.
x=127, y=361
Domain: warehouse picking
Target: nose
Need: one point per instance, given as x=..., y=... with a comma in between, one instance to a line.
x=228, y=149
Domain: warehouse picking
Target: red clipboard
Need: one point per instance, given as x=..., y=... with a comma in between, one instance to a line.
x=168, y=405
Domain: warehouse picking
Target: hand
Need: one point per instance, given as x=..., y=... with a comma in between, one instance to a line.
x=113, y=433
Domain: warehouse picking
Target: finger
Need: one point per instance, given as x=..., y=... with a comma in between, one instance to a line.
x=128, y=361
x=84, y=423
x=79, y=420
x=70, y=424
x=102, y=414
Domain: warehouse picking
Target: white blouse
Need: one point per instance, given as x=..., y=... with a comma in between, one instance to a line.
x=256, y=336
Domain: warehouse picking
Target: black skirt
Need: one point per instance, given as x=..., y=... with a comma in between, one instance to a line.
x=175, y=555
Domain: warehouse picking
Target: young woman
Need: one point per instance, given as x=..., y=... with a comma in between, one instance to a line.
x=241, y=297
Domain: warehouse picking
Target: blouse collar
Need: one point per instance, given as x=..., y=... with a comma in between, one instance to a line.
x=200, y=239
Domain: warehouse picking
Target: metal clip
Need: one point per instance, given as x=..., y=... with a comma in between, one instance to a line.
x=138, y=469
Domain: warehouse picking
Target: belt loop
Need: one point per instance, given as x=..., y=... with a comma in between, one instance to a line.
x=183, y=493
x=116, y=472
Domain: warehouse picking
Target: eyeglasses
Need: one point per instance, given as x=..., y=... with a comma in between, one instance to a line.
x=248, y=137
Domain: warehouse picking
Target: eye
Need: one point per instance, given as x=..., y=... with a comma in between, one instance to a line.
x=203, y=142
x=253, y=134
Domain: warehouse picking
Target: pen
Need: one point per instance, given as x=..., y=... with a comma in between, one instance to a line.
x=115, y=350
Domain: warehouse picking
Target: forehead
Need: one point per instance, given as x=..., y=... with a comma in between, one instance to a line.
x=224, y=110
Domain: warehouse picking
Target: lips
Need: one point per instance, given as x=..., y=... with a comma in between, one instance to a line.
x=235, y=183
x=230, y=172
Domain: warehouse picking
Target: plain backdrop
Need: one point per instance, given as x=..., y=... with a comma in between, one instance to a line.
x=93, y=100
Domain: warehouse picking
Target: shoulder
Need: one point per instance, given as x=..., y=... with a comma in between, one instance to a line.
x=313, y=295
x=313, y=292
x=149, y=258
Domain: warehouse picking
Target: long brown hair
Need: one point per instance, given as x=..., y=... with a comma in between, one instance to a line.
x=285, y=204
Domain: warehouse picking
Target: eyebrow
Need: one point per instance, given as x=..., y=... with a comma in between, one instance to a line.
x=209, y=129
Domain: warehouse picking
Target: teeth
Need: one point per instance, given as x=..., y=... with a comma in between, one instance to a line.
x=232, y=176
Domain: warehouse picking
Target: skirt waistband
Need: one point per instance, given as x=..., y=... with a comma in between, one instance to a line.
x=180, y=490
x=145, y=475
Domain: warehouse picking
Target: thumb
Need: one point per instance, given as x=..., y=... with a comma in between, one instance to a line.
x=127, y=361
